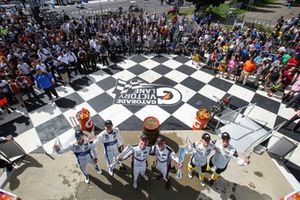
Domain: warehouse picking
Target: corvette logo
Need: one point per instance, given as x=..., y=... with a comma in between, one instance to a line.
x=137, y=92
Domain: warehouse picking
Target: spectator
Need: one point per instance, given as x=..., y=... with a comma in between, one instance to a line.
x=231, y=66
x=16, y=90
x=24, y=68
x=294, y=118
x=45, y=81
x=295, y=89
x=4, y=103
x=249, y=67
x=26, y=87
x=294, y=102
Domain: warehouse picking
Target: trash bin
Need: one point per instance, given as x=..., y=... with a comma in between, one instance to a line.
x=201, y=119
x=151, y=128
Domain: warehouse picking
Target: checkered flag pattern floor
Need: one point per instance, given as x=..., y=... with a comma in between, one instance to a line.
x=124, y=86
x=97, y=91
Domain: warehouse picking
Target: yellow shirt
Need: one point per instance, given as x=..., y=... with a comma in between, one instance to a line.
x=196, y=57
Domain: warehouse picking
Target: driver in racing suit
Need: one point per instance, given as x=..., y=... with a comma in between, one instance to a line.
x=112, y=142
x=139, y=154
x=164, y=156
x=224, y=152
x=85, y=153
x=201, y=151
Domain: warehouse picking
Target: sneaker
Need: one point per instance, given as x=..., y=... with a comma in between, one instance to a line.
x=99, y=171
x=173, y=170
x=9, y=110
x=15, y=166
x=134, y=184
x=122, y=169
x=110, y=171
x=190, y=175
x=202, y=183
x=145, y=177
x=87, y=179
x=210, y=182
x=168, y=185
x=158, y=177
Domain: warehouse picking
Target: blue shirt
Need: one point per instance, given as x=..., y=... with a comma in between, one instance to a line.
x=44, y=80
x=244, y=53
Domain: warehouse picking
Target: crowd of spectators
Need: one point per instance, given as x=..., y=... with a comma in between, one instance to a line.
x=36, y=54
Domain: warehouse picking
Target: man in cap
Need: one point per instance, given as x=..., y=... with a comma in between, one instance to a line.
x=201, y=151
x=112, y=142
x=224, y=152
x=139, y=154
x=85, y=153
x=164, y=156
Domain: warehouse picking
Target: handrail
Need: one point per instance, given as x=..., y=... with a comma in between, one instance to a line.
x=236, y=112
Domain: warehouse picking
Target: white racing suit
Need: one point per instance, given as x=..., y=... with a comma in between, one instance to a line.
x=111, y=143
x=85, y=153
x=139, y=160
x=163, y=159
x=222, y=157
x=200, y=154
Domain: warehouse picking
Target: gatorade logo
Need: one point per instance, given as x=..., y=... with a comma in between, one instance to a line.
x=137, y=92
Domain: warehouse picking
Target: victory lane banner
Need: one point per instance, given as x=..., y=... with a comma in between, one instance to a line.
x=137, y=92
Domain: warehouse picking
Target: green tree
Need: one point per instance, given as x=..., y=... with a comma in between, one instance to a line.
x=203, y=4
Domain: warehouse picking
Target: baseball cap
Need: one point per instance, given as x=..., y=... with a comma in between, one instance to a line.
x=160, y=139
x=108, y=122
x=206, y=137
x=78, y=134
x=225, y=136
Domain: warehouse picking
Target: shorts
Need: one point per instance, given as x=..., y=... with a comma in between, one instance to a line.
x=65, y=77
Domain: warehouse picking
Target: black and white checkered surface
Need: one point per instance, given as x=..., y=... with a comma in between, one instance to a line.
x=96, y=92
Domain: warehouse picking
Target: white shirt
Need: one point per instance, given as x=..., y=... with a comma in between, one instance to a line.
x=64, y=59
x=42, y=67
x=92, y=43
x=223, y=154
x=24, y=68
x=43, y=54
x=72, y=57
x=200, y=153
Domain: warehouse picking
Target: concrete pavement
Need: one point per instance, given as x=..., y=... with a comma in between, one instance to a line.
x=95, y=7
x=273, y=11
x=57, y=177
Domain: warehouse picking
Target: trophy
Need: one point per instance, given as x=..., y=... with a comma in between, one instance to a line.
x=121, y=155
x=181, y=155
